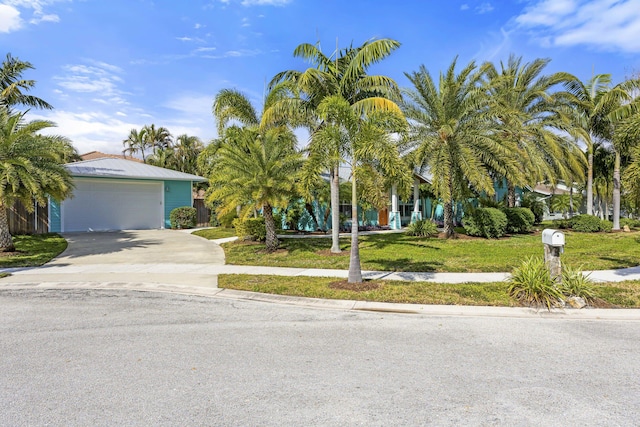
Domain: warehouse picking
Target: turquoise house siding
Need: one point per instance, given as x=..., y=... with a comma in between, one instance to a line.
x=54, y=216
x=177, y=194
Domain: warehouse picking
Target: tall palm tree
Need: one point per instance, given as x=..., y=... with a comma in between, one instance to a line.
x=532, y=116
x=365, y=144
x=600, y=107
x=157, y=137
x=344, y=73
x=163, y=158
x=134, y=143
x=31, y=166
x=452, y=135
x=257, y=171
x=186, y=151
x=13, y=86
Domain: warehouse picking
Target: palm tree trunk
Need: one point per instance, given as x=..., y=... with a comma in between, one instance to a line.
x=270, y=226
x=590, y=180
x=355, y=269
x=571, y=201
x=6, y=241
x=511, y=195
x=616, y=192
x=449, y=230
x=335, y=210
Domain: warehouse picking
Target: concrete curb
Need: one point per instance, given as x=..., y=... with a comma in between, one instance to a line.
x=632, y=315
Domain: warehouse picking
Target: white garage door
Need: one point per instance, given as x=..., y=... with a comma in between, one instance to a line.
x=101, y=204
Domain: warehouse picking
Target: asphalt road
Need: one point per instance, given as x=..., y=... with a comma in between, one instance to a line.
x=106, y=358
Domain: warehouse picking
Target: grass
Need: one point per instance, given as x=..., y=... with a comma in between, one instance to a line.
x=400, y=252
x=215, y=233
x=611, y=295
x=33, y=250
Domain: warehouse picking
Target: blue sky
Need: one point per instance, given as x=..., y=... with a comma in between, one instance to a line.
x=111, y=65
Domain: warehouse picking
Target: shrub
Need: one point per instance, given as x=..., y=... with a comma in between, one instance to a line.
x=422, y=228
x=183, y=217
x=485, y=222
x=606, y=226
x=630, y=222
x=213, y=220
x=586, y=223
x=519, y=220
x=561, y=224
x=250, y=229
x=532, y=284
x=537, y=206
x=575, y=283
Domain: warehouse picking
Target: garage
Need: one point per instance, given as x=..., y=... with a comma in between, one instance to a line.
x=99, y=205
x=119, y=194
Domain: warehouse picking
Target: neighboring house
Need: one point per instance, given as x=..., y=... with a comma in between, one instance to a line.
x=93, y=155
x=119, y=194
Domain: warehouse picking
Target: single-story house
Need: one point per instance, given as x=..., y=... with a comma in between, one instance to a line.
x=120, y=194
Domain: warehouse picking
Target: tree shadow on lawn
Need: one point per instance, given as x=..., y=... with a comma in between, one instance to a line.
x=621, y=262
x=396, y=239
x=404, y=265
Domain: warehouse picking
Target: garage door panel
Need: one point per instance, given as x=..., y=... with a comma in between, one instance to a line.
x=113, y=205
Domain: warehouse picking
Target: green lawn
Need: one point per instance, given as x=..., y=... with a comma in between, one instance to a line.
x=33, y=250
x=399, y=252
x=623, y=294
x=215, y=233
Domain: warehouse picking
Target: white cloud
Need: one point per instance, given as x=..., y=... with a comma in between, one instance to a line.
x=198, y=26
x=603, y=24
x=9, y=19
x=101, y=79
x=484, y=8
x=464, y=7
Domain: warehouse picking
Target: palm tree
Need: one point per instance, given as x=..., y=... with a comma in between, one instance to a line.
x=135, y=143
x=345, y=74
x=163, y=158
x=31, y=166
x=159, y=137
x=13, y=86
x=186, y=151
x=256, y=171
x=600, y=107
x=533, y=118
x=365, y=144
x=452, y=135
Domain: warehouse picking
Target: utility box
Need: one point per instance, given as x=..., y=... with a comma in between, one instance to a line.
x=552, y=237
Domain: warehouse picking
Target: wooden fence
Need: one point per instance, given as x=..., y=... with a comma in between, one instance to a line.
x=23, y=222
x=203, y=214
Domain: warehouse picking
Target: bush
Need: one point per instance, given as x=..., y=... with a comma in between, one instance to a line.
x=250, y=229
x=561, y=224
x=485, y=222
x=228, y=219
x=606, y=226
x=586, y=223
x=183, y=217
x=519, y=220
x=532, y=284
x=537, y=206
x=630, y=222
x=422, y=228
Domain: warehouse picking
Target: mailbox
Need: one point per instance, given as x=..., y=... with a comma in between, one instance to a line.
x=552, y=237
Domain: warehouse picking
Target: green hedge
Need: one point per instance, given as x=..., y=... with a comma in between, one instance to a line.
x=519, y=220
x=586, y=223
x=486, y=222
x=183, y=217
x=250, y=229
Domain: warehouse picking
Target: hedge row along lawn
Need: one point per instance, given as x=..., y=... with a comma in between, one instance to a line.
x=400, y=252
x=33, y=250
x=608, y=295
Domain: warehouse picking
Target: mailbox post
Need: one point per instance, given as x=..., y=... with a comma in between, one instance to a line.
x=553, y=241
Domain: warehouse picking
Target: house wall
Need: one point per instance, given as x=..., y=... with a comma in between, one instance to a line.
x=177, y=194
x=55, y=224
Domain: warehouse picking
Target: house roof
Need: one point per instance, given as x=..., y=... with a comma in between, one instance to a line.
x=121, y=168
x=93, y=155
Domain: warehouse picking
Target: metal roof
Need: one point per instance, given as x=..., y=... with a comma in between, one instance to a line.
x=121, y=168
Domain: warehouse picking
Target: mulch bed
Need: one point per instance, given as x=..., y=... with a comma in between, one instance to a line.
x=356, y=287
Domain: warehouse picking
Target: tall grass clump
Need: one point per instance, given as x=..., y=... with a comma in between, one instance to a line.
x=532, y=285
x=422, y=228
